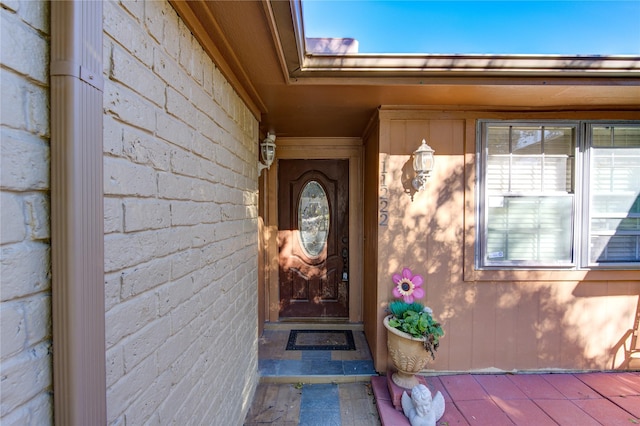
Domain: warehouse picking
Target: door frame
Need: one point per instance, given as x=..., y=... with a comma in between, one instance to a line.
x=301, y=149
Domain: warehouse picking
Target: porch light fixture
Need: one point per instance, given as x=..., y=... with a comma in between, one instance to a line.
x=423, y=165
x=268, y=151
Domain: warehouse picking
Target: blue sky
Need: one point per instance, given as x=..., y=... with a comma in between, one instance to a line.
x=587, y=27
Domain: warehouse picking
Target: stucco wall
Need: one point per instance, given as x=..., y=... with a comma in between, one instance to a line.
x=25, y=283
x=180, y=222
x=504, y=320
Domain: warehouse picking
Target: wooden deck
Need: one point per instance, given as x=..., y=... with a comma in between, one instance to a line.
x=584, y=399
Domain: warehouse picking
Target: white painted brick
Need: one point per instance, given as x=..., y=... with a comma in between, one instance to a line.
x=202, y=234
x=144, y=409
x=180, y=107
x=23, y=48
x=228, y=159
x=135, y=8
x=205, y=147
x=202, y=191
x=221, y=117
x=175, y=187
x=212, y=171
x=190, y=213
x=12, y=221
x=172, y=349
x=121, y=394
x=214, y=251
x=112, y=136
x=234, y=212
x=183, y=263
x=124, y=178
x=112, y=289
x=145, y=342
x=145, y=149
x=36, y=14
x=140, y=214
x=135, y=75
x=172, y=240
x=145, y=277
x=37, y=411
x=206, y=125
x=37, y=105
x=122, y=27
x=24, y=268
x=129, y=106
x=184, y=163
x=115, y=364
x=129, y=316
x=24, y=163
x=155, y=13
x=24, y=376
x=170, y=38
x=37, y=215
x=203, y=101
x=207, y=70
x=12, y=101
x=12, y=5
x=173, y=130
x=185, y=56
x=171, y=73
x=186, y=271
x=113, y=215
x=127, y=250
x=37, y=310
x=173, y=294
x=13, y=331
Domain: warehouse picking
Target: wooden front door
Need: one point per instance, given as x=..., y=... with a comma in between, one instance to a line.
x=313, y=232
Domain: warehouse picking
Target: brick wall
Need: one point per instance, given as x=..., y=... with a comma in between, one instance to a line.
x=180, y=183
x=25, y=282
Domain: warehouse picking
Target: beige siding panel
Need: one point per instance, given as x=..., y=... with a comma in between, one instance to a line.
x=500, y=320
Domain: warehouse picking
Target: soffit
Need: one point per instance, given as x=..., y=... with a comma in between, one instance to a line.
x=302, y=95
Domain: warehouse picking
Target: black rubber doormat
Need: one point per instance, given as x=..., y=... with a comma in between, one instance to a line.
x=321, y=340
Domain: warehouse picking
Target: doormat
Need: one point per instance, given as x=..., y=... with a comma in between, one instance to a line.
x=321, y=340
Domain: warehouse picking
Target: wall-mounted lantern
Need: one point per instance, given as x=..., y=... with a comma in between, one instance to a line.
x=423, y=165
x=268, y=151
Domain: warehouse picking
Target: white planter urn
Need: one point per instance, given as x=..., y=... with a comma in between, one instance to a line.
x=408, y=355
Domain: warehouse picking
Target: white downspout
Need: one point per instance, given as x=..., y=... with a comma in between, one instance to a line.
x=77, y=232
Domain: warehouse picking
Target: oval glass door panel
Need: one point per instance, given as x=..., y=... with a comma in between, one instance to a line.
x=313, y=218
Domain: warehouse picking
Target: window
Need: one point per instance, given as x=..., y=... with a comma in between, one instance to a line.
x=558, y=194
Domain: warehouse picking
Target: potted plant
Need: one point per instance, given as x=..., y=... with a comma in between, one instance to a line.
x=413, y=335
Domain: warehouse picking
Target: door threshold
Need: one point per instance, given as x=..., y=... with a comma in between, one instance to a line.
x=314, y=324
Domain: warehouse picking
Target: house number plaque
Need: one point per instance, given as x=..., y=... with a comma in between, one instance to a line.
x=383, y=200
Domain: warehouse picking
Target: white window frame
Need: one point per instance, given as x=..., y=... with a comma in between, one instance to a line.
x=581, y=233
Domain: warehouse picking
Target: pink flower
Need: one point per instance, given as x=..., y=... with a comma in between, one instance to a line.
x=408, y=286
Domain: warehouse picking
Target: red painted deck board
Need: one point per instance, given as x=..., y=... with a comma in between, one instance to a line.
x=628, y=403
x=525, y=412
x=483, y=412
x=565, y=412
x=435, y=384
x=606, y=384
x=570, y=386
x=606, y=412
x=452, y=416
x=534, y=386
x=463, y=387
x=630, y=379
x=500, y=386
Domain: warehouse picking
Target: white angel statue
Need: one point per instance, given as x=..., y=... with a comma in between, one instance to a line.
x=420, y=408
